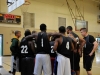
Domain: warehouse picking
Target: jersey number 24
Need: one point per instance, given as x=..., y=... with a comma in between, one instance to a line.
x=24, y=49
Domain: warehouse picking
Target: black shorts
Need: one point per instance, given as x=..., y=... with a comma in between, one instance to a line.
x=27, y=66
x=75, y=61
x=87, y=62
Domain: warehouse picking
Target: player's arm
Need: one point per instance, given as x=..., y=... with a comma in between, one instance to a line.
x=54, y=34
x=31, y=36
x=92, y=40
x=82, y=42
x=72, y=45
x=32, y=46
x=55, y=45
x=72, y=37
x=94, y=48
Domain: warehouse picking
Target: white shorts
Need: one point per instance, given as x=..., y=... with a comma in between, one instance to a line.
x=64, y=67
x=16, y=62
x=42, y=61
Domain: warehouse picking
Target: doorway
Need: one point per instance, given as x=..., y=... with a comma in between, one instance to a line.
x=1, y=48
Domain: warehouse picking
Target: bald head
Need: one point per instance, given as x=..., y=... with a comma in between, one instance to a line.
x=27, y=32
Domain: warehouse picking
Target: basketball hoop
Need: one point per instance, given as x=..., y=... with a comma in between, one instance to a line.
x=25, y=6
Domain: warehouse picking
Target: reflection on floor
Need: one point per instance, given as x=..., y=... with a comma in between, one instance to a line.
x=95, y=69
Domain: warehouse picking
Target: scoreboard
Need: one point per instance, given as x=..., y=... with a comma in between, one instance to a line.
x=10, y=18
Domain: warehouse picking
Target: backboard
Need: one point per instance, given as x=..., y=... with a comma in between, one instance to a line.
x=80, y=24
x=14, y=4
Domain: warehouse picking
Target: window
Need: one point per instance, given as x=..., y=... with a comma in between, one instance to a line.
x=61, y=21
x=28, y=20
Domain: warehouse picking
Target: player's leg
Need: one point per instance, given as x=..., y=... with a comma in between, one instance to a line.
x=72, y=60
x=17, y=64
x=77, y=65
x=23, y=66
x=30, y=66
x=14, y=65
x=67, y=70
x=12, y=60
x=61, y=64
x=46, y=64
x=89, y=72
x=38, y=64
x=52, y=63
x=89, y=64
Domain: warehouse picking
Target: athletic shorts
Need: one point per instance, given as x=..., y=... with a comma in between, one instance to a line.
x=87, y=62
x=75, y=61
x=27, y=66
x=52, y=63
x=63, y=67
x=42, y=62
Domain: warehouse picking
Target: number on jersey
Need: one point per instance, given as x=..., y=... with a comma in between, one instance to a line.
x=67, y=45
x=24, y=49
x=42, y=42
x=85, y=46
x=52, y=49
x=77, y=40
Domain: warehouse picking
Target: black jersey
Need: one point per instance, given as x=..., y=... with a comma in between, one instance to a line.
x=88, y=47
x=52, y=53
x=35, y=45
x=43, y=45
x=25, y=49
x=65, y=47
x=77, y=37
x=34, y=41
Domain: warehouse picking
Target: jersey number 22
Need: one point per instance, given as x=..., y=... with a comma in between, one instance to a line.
x=24, y=49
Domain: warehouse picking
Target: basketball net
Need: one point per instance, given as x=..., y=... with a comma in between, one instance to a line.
x=25, y=6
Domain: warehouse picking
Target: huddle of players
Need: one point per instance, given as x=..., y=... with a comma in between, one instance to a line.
x=67, y=50
x=46, y=48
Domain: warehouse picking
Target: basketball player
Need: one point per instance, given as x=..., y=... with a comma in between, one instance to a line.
x=42, y=60
x=88, y=50
x=63, y=45
x=15, y=52
x=34, y=41
x=77, y=53
x=33, y=32
x=53, y=54
x=27, y=55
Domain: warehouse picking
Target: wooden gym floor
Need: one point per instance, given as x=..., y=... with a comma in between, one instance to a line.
x=95, y=68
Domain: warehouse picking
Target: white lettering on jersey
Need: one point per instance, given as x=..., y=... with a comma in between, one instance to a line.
x=67, y=45
x=52, y=51
x=24, y=49
x=42, y=42
x=77, y=40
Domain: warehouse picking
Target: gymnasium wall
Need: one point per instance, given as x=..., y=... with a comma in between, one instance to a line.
x=48, y=11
